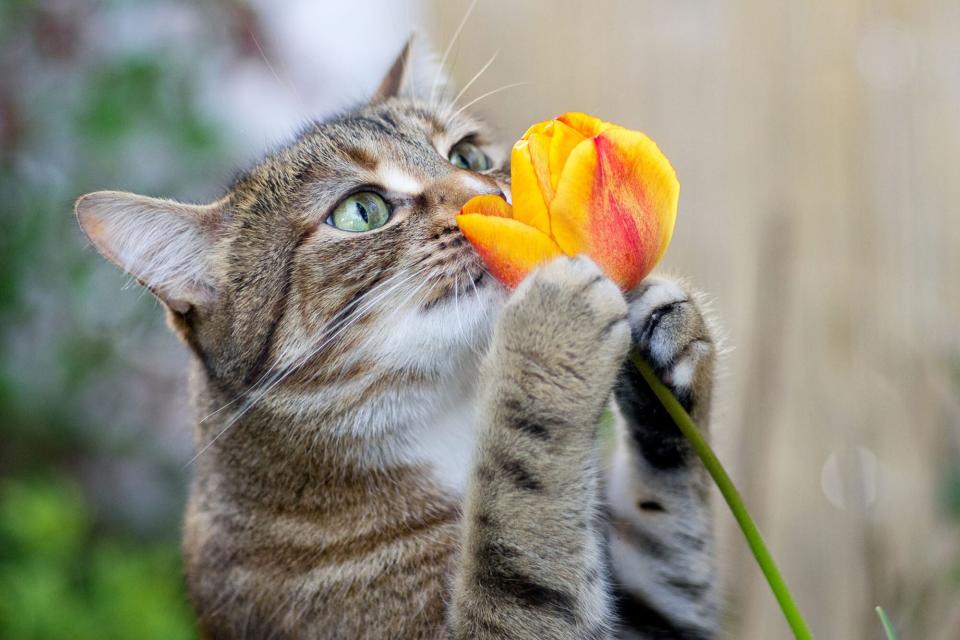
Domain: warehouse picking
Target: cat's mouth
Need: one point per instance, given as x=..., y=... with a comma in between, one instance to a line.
x=459, y=288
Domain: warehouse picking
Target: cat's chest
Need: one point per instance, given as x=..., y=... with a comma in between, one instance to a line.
x=445, y=443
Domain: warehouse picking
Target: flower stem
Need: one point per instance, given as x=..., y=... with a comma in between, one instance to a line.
x=887, y=625
x=730, y=494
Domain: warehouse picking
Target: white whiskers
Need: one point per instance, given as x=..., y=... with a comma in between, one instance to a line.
x=486, y=95
x=338, y=330
x=446, y=54
x=456, y=306
x=286, y=84
x=475, y=77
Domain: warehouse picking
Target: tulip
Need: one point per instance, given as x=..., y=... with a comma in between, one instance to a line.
x=580, y=186
x=583, y=186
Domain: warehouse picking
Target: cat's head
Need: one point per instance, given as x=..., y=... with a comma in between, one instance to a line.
x=336, y=259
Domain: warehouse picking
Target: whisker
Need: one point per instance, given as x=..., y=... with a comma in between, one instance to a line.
x=475, y=77
x=282, y=375
x=443, y=60
x=486, y=95
x=470, y=343
x=490, y=276
x=286, y=84
x=253, y=387
x=349, y=320
x=476, y=294
x=456, y=306
x=411, y=295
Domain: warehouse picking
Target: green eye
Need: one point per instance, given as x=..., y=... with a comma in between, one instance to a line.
x=467, y=155
x=362, y=211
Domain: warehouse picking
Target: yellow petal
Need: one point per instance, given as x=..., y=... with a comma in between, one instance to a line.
x=529, y=206
x=510, y=248
x=585, y=125
x=570, y=210
x=538, y=146
x=616, y=201
x=562, y=142
x=540, y=127
x=488, y=205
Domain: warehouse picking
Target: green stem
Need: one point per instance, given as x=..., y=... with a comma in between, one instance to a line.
x=730, y=494
x=887, y=625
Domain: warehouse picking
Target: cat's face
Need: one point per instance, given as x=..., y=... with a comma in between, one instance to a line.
x=334, y=263
x=355, y=222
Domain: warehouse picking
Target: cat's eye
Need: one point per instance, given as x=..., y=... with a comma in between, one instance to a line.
x=363, y=211
x=467, y=155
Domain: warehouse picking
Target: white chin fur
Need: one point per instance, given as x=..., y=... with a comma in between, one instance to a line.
x=431, y=425
x=450, y=339
x=430, y=338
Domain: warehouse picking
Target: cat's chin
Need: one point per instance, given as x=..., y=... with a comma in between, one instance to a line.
x=445, y=338
x=464, y=320
x=459, y=330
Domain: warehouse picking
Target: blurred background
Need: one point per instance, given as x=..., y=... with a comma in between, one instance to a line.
x=817, y=143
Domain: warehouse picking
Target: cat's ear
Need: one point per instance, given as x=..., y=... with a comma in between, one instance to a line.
x=165, y=245
x=392, y=83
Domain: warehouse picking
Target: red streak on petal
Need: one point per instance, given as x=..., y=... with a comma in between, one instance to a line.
x=621, y=230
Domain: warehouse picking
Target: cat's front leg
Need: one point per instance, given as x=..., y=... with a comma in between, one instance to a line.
x=532, y=563
x=661, y=528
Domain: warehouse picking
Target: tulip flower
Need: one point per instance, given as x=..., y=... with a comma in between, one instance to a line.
x=580, y=186
x=584, y=186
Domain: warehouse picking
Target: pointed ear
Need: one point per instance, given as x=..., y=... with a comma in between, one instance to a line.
x=165, y=245
x=392, y=82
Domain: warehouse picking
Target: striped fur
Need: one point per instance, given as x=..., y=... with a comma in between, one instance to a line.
x=392, y=446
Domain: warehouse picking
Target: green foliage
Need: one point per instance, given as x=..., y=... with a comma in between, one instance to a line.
x=76, y=116
x=59, y=578
x=148, y=97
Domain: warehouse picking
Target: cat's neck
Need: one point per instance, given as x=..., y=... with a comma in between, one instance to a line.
x=296, y=462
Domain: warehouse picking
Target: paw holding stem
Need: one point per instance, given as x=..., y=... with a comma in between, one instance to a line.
x=729, y=492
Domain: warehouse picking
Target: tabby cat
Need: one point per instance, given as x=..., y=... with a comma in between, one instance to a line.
x=392, y=445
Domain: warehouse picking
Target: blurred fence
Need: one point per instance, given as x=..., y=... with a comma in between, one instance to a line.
x=817, y=145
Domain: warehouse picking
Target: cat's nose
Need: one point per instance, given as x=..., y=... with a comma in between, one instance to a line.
x=452, y=191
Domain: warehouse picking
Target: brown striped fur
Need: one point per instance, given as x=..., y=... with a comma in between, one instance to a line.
x=385, y=450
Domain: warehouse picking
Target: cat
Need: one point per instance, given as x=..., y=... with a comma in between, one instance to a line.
x=389, y=443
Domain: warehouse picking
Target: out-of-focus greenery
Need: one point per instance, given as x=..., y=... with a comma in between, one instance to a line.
x=60, y=577
x=90, y=496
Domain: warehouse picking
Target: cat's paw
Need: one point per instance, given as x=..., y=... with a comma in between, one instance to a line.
x=669, y=330
x=566, y=329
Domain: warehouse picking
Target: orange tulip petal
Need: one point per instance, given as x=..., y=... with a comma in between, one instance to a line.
x=616, y=201
x=528, y=204
x=652, y=183
x=488, y=205
x=580, y=185
x=510, y=248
